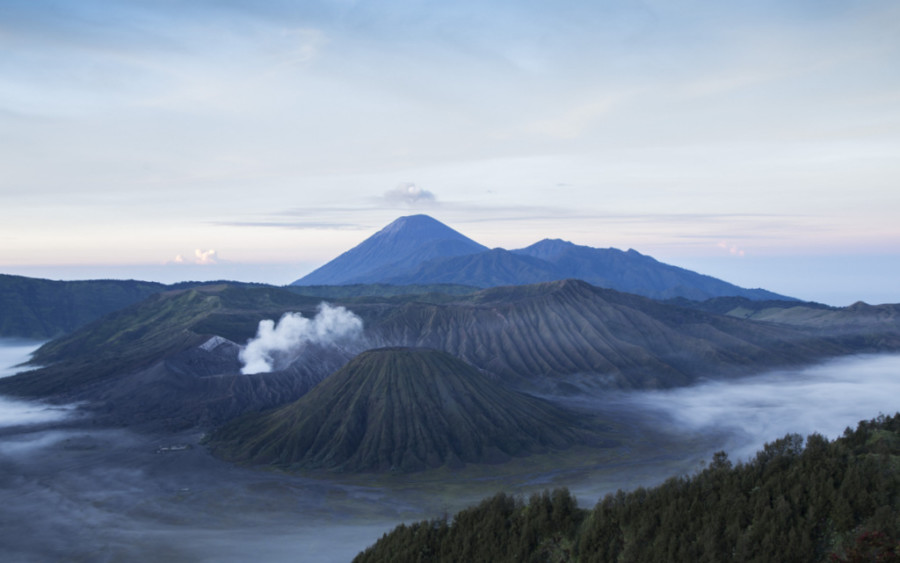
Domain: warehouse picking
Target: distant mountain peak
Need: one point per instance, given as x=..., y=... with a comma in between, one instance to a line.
x=402, y=244
x=547, y=248
x=423, y=227
x=413, y=221
x=556, y=242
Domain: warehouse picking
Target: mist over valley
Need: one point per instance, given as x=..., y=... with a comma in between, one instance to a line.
x=108, y=494
x=15, y=351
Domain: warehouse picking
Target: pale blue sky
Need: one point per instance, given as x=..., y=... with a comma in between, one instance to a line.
x=742, y=139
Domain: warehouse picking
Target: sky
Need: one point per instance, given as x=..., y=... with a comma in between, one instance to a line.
x=756, y=141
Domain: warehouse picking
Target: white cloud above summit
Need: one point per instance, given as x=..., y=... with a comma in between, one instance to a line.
x=410, y=194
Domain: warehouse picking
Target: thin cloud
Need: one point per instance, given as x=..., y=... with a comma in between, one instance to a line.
x=574, y=121
x=300, y=225
x=373, y=216
x=305, y=45
x=410, y=194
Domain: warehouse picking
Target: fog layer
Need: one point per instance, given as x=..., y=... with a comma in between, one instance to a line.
x=70, y=491
x=752, y=411
x=15, y=412
x=14, y=351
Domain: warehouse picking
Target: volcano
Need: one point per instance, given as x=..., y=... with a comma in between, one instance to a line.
x=401, y=409
x=400, y=246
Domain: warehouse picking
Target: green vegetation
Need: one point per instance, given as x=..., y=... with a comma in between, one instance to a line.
x=40, y=309
x=821, y=501
x=400, y=409
x=501, y=528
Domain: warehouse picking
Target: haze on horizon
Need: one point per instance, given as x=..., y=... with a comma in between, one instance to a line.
x=752, y=141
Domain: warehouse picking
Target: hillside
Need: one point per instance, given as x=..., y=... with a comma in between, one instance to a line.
x=400, y=409
x=567, y=337
x=138, y=336
x=202, y=386
x=41, y=309
x=860, y=322
x=833, y=501
x=569, y=333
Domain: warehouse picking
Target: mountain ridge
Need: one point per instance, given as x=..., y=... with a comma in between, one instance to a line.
x=400, y=254
x=529, y=336
x=153, y=363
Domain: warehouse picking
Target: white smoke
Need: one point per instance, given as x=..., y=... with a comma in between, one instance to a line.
x=275, y=343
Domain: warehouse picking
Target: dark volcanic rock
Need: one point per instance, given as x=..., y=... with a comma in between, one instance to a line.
x=188, y=389
x=215, y=356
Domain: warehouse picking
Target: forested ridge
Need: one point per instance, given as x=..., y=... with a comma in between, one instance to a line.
x=796, y=500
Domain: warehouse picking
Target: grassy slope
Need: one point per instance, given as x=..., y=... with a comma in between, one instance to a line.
x=40, y=309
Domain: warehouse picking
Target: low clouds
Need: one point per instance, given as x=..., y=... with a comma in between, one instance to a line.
x=410, y=194
x=205, y=256
x=17, y=413
x=732, y=249
x=202, y=257
x=824, y=398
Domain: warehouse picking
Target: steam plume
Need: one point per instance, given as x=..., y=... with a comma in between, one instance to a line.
x=275, y=344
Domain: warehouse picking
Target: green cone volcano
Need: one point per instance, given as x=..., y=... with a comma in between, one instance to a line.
x=401, y=409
